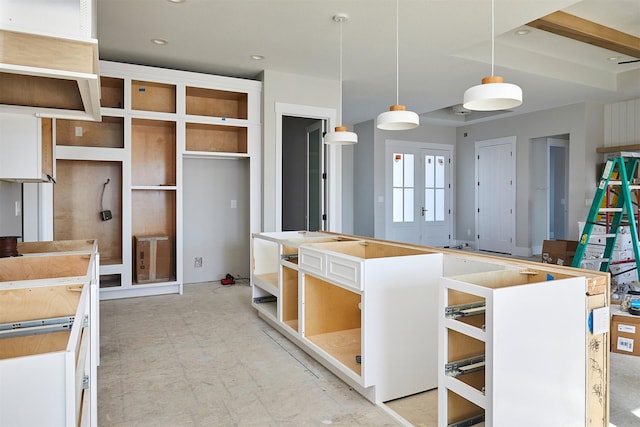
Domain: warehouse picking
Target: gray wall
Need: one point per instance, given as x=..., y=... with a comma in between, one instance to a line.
x=10, y=224
x=292, y=89
x=363, y=173
x=212, y=229
x=584, y=123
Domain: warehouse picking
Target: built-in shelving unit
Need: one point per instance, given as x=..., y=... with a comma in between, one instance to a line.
x=151, y=119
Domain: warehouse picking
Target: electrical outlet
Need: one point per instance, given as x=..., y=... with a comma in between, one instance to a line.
x=197, y=262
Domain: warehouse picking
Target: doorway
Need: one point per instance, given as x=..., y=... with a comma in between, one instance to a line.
x=303, y=174
x=495, y=195
x=550, y=189
x=418, y=186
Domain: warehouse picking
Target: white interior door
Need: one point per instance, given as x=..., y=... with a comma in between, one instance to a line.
x=495, y=195
x=419, y=191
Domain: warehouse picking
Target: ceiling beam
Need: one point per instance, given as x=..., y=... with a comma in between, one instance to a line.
x=586, y=31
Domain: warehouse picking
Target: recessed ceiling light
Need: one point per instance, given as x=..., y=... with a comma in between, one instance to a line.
x=160, y=42
x=614, y=58
x=257, y=57
x=177, y=1
x=522, y=32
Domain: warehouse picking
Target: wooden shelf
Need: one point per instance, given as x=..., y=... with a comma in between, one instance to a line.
x=77, y=206
x=216, y=138
x=342, y=345
x=216, y=103
x=108, y=133
x=151, y=96
x=153, y=152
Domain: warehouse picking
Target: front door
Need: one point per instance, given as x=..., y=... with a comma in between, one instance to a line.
x=419, y=193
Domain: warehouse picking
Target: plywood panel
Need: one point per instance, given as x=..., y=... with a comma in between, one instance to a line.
x=47, y=52
x=33, y=344
x=47, y=146
x=77, y=206
x=108, y=133
x=55, y=246
x=45, y=92
x=150, y=96
x=463, y=346
x=216, y=103
x=153, y=213
x=217, y=139
x=19, y=305
x=460, y=409
x=329, y=308
x=153, y=152
x=289, y=295
x=28, y=268
x=111, y=92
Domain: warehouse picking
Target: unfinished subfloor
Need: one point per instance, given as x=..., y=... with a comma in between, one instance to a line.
x=206, y=359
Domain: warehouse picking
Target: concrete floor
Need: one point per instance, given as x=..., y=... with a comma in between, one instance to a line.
x=206, y=359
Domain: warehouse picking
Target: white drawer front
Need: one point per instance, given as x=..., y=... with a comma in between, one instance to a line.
x=311, y=261
x=344, y=271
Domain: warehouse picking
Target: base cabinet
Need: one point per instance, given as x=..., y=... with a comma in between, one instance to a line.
x=48, y=337
x=393, y=320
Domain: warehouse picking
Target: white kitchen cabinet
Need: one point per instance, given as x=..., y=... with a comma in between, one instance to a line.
x=360, y=307
x=48, y=328
x=373, y=313
x=515, y=350
x=26, y=148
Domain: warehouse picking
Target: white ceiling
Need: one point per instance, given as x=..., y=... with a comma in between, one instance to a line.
x=445, y=48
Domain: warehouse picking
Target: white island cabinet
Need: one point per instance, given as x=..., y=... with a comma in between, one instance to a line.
x=362, y=308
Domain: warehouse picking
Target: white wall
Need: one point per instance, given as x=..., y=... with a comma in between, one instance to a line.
x=212, y=228
x=290, y=89
x=584, y=125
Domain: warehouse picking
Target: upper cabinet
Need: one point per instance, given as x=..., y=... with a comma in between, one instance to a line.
x=26, y=148
x=49, y=58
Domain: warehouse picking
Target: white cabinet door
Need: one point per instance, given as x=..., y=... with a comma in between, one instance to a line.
x=20, y=147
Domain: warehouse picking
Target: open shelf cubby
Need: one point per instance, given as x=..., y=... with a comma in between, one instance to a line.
x=111, y=92
x=153, y=213
x=216, y=103
x=152, y=96
x=216, y=138
x=108, y=133
x=78, y=201
x=333, y=321
x=153, y=152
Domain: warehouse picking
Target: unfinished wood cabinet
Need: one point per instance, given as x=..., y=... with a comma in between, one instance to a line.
x=52, y=71
x=345, y=301
x=26, y=148
x=107, y=133
x=393, y=320
x=502, y=335
x=49, y=335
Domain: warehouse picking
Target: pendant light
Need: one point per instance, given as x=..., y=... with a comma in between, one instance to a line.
x=493, y=94
x=397, y=118
x=340, y=135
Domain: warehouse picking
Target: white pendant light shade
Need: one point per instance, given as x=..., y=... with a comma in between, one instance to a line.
x=340, y=136
x=397, y=118
x=492, y=95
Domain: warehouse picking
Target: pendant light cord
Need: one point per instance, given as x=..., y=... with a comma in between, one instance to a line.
x=397, y=54
x=493, y=35
x=340, y=98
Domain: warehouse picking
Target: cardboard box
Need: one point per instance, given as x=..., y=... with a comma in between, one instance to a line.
x=153, y=259
x=625, y=333
x=559, y=252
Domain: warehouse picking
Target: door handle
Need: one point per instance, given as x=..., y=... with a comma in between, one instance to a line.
x=424, y=210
